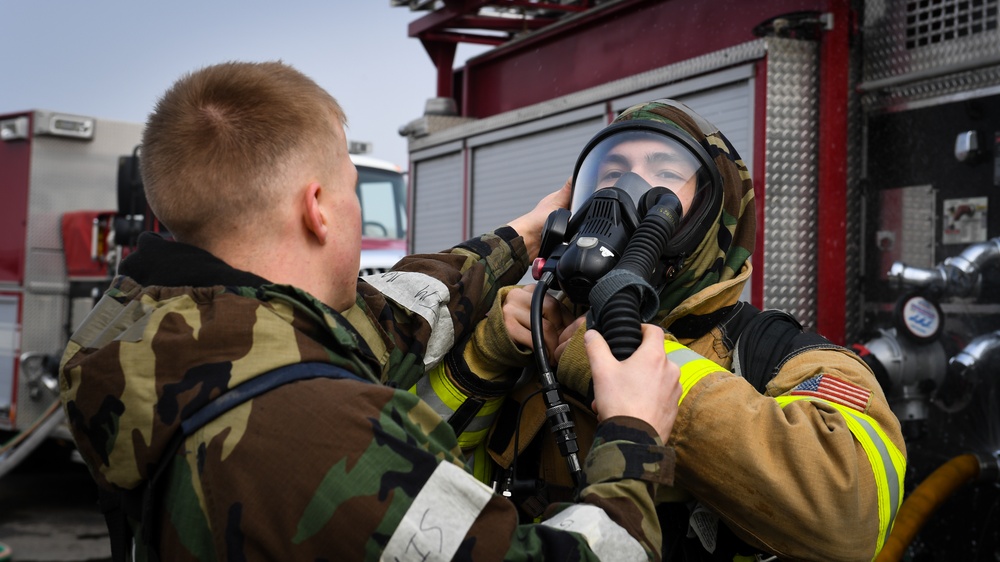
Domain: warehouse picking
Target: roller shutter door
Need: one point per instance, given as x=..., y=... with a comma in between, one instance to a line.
x=727, y=105
x=437, y=203
x=510, y=176
x=730, y=108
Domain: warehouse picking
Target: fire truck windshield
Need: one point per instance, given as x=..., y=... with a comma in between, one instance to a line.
x=382, y=193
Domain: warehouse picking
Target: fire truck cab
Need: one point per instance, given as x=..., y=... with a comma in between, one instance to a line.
x=382, y=192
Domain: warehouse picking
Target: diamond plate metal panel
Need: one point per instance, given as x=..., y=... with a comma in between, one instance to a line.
x=906, y=36
x=854, y=292
x=946, y=89
x=923, y=49
x=791, y=179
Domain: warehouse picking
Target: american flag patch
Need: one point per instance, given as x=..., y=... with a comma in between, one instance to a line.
x=835, y=390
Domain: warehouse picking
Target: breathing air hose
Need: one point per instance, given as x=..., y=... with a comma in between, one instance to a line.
x=557, y=411
x=621, y=317
x=930, y=494
x=623, y=296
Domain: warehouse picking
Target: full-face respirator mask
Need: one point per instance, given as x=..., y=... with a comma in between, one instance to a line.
x=645, y=193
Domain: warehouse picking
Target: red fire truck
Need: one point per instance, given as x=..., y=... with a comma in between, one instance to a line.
x=73, y=204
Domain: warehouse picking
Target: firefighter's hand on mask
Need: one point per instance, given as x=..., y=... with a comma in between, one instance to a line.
x=529, y=226
x=517, y=318
x=644, y=386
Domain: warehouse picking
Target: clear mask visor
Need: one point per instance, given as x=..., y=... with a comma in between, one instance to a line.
x=656, y=158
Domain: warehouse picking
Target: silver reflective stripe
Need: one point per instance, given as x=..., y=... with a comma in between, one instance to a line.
x=480, y=423
x=426, y=393
x=608, y=540
x=425, y=296
x=890, y=469
x=683, y=355
x=866, y=432
x=439, y=517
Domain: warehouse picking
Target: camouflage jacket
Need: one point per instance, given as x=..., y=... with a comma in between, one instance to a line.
x=324, y=469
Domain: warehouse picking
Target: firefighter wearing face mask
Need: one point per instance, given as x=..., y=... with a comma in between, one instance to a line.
x=785, y=443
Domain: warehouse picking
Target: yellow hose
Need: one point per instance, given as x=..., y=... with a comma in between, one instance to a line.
x=14, y=441
x=924, y=500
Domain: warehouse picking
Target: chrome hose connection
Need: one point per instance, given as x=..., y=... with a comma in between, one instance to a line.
x=957, y=276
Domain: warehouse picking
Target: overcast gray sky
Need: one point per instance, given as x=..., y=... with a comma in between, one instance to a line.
x=112, y=58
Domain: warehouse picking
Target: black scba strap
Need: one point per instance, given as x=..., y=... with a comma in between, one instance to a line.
x=762, y=339
x=140, y=504
x=768, y=342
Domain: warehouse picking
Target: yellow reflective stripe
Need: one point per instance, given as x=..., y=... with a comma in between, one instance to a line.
x=444, y=389
x=470, y=439
x=441, y=394
x=491, y=407
x=435, y=389
x=481, y=464
x=693, y=366
x=888, y=463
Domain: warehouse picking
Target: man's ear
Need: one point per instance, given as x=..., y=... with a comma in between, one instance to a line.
x=313, y=216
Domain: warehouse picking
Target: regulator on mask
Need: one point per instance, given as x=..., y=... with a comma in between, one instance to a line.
x=644, y=195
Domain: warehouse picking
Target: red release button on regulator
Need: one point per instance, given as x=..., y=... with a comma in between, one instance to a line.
x=536, y=268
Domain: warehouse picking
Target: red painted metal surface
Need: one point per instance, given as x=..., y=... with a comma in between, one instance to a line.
x=382, y=244
x=758, y=259
x=834, y=59
x=459, y=22
x=608, y=44
x=78, y=239
x=636, y=36
x=15, y=176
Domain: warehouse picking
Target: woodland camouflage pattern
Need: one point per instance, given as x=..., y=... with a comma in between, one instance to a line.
x=320, y=469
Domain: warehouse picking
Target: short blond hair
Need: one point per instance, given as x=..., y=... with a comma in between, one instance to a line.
x=222, y=138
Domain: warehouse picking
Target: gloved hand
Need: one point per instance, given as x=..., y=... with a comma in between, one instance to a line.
x=484, y=369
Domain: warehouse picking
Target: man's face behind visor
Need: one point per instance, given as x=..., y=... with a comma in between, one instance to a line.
x=657, y=159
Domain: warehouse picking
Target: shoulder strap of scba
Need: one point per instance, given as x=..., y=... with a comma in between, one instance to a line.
x=140, y=504
x=887, y=462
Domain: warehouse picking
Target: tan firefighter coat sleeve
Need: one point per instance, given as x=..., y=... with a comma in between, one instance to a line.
x=812, y=468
